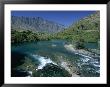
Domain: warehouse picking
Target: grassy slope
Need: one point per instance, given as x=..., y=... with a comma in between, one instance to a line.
x=88, y=29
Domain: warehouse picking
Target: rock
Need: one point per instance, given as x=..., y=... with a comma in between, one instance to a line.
x=78, y=73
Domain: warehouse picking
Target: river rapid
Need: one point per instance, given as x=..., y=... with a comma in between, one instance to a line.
x=54, y=52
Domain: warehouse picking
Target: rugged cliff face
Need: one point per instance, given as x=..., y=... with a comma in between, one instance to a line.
x=36, y=24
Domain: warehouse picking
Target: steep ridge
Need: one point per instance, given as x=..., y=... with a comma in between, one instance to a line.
x=36, y=24
x=87, y=29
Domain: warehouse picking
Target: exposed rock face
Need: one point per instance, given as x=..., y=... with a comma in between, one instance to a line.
x=35, y=24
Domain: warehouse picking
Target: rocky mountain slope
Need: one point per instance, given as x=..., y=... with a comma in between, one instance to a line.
x=87, y=29
x=35, y=24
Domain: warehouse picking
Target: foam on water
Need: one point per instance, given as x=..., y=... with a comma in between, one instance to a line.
x=54, y=45
x=84, y=60
x=43, y=61
x=30, y=72
x=84, y=55
x=90, y=61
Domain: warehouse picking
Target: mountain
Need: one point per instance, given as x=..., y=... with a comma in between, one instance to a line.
x=87, y=29
x=36, y=24
x=91, y=22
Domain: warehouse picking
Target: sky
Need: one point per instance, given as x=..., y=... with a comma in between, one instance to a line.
x=62, y=17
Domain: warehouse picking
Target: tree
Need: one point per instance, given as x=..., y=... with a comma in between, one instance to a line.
x=79, y=44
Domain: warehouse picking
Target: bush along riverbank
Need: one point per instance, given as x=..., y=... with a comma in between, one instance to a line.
x=28, y=36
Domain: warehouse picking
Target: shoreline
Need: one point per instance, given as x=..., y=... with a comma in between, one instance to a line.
x=80, y=52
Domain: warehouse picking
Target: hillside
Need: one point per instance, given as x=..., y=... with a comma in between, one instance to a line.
x=87, y=29
x=36, y=24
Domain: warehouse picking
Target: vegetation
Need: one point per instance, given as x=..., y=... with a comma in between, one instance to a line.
x=28, y=36
x=80, y=44
x=83, y=31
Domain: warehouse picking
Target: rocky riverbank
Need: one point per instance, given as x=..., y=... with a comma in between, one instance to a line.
x=81, y=52
x=70, y=69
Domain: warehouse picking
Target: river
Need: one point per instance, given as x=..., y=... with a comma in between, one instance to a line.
x=54, y=52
